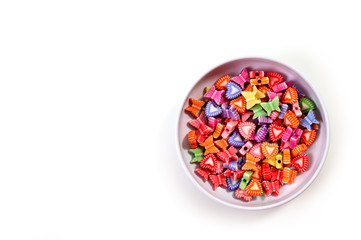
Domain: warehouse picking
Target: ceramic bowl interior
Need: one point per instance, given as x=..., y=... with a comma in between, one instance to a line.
x=316, y=152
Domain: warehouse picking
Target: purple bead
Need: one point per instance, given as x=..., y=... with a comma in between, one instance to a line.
x=264, y=120
x=261, y=133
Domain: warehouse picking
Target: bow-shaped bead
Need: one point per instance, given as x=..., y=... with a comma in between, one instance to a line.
x=204, y=173
x=253, y=98
x=282, y=86
x=309, y=120
x=221, y=144
x=250, y=163
x=195, y=106
x=226, y=155
x=277, y=175
x=203, y=132
x=229, y=112
x=231, y=125
x=242, y=78
x=271, y=95
x=271, y=187
x=202, y=119
x=197, y=154
x=212, y=122
x=214, y=95
x=258, y=111
x=259, y=81
x=294, y=140
x=284, y=109
x=209, y=146
x=218, y=180
x=296, y=109
x=272, y=105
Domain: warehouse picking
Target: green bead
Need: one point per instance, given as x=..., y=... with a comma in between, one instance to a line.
x=197, y=154
x=306, y=104
x=245, y=179
x=258, y=111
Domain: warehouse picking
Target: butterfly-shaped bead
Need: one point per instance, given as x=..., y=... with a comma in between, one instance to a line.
x=214, y=95
x=271, y=187
x=309, y=120
x=229, y=112
x=270, y=106
x=227, y=155
x=197, y=154
x=250, y=163
x=258, y=111
x=194, y=106
x=209, y=146
x=203, y=132
x=242, y=78
x=202, y=119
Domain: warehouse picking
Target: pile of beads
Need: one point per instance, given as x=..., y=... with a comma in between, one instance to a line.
x=250, y=133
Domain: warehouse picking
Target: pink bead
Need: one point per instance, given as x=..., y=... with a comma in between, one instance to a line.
x=274, y=115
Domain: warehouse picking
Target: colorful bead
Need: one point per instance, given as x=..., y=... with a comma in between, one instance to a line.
x=245, y=148
x=212, y=109
x=235, y=139
x=296, y=109
x=256, y=74
x=246, y=129
x=218, y=131
x=298, y=150
x=309, y=120
x=233, y=90
x=209, y=146
x=231, y=125
x=214, y=95
x=197, y=154
x=242, y=78
x=229, y=112
x=295, y=138
x=306, y=104
x=270, y=106
x=274, y=78
x=259, y=81
x=279, y=162
x=284, y=109
x=258, y=111
x=194, y=106
x=282, y=86
x=222, y=82
x=261, y=133
x=245, y=179
x=227, y=155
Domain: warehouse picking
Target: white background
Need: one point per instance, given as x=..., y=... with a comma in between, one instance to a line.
x=89, y=93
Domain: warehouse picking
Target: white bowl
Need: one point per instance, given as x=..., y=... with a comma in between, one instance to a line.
x=316, y=152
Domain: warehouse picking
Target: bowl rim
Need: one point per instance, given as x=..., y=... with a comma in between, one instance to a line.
x=296, y=194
